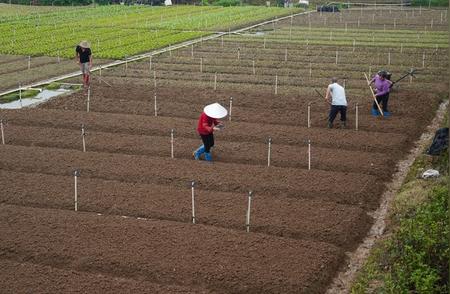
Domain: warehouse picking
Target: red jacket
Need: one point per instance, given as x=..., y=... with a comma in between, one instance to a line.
x=206, y=124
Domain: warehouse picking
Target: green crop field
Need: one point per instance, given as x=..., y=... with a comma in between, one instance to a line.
x=118, y=31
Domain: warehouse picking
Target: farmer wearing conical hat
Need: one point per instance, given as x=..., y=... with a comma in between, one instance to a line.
x=207, y=124
x=84, y=59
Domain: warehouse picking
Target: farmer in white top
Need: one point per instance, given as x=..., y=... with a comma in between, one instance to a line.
x=338, y=102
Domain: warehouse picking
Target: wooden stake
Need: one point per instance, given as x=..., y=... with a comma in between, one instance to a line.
x=171, y=143
x=373, y=95
x=423, y=60
x=154, y=80
x=156, y=108
x=336, y=57
x=193, y=201
x=309, y=154
x=276, y=84
x=221, y=38
x=29, y=62
x=83, y=137
x=215, y=81
x=354, y=43
x=285, y=55
x=2, y=131
x=20, y=95
x=88, y=99
x=253, y=65
x=264, y=42
x=356, y=116
x=247, y=220
x=268, y=152
x=310, y=69
x=309, y=115
x=150, y=63
x=201, y=64
x=192, y=50
x=239, y=53
x=76, y=175
x=389, y=58
x=231, y=107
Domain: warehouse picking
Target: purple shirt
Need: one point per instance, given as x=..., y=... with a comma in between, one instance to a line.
x=382, y=87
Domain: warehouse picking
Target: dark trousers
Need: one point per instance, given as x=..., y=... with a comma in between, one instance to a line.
x=383, y=100
x=208, y=141
x=334, y=111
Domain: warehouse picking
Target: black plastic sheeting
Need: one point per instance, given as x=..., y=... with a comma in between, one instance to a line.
x=440, y=142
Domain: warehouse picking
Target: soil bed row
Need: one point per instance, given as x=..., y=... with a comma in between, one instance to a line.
x=166, y=253
x=339, y=224
x=359, y=189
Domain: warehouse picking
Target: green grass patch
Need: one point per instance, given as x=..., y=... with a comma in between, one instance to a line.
x=15, y=96
x=430, y=3
x=53, y=86
x=413, y=257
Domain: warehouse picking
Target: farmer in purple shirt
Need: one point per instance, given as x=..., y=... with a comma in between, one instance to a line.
x=382, y=88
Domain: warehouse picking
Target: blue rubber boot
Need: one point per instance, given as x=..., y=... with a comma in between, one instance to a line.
x=197, y=153
x=386, y=113
x=374, y=112
x=208, y=156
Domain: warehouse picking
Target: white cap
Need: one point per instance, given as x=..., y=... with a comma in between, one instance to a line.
x=215, y=110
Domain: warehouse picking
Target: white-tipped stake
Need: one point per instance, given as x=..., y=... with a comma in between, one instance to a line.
x=356, y=116
x=442, y=18
x=310, y=69
x=192, y=50
x=83, y=137
x=285, y=55
x=193, y=201
x=29, y=62
x=20, y=95
x=253, y=65
x=247, y=219
x=370, y=71
x=337, y=57
x=2, y=131
x=276, y=84
x=171, y=143
x=58, y=58
x=231, y=107
x=150, y=63
x=221, y=41
x=269, y=151
x=201, y=64
x=264, y=42
x=343, y=85
x=238, y=53
x=215, y=81
x=309, y=154
x=155, y=106
x=423, y=60
x=100, y=73
x=76, y=174
x=88, y=102
x=309, y=114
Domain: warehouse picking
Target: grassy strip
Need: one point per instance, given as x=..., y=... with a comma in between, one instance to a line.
x=413, y=257
x=15, y=96
x=429, y=3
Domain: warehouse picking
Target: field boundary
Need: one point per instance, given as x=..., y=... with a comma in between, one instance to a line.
x=344, y=279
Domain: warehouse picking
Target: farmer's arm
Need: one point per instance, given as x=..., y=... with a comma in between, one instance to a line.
x=328, y=94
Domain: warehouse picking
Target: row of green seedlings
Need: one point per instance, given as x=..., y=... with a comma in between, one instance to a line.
x=276, y=83
x=77, y=173
x=443, y=16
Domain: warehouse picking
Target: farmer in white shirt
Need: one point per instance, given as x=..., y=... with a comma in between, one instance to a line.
x=336, y=97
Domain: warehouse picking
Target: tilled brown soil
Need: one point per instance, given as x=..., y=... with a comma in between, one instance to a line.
x=166, y=253
x=27, y=277
x=340, y=224
x=133, y=231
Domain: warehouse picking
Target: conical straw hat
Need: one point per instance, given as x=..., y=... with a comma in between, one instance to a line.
x=215, y=110
x=85, y=44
